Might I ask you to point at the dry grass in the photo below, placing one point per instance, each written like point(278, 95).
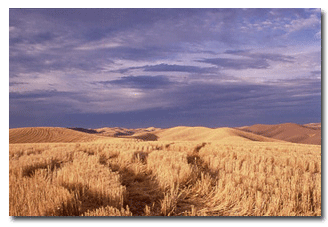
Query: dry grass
point(125, 177)
point(280, 181)
point(170, 168)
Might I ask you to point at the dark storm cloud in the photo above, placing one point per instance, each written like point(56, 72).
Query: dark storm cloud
point(176, 68)
point(36, 104)
point(89, 61)
point(266, 56)
point(116, 18)
point(316, 73)
point(204, 95)
point(38, 94)
point(56, 60)
point(30, 64)
point(101, 44)
point(237, 52)
point(140, 54)
point(170, 68)
point(301, 86)
point(33, 39)
point(203, 101)
point(273, 57)
point(196, 96)
point(141, 82)
point(16, 83)
point(237, 64)
point(43, 37)
point(87, 25)
point(252, 60)
point(45, 103)
point(242, 101)
point(70, 28)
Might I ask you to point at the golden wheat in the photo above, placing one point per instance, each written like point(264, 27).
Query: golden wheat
point(126, 177)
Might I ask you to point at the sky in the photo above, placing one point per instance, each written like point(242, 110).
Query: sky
point(137, 68)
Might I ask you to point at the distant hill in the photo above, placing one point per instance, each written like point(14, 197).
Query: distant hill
point(313, 125)
point(291, 132)
point(65, 135)
point(48, 135)
point(182, 133)
point(124, 132)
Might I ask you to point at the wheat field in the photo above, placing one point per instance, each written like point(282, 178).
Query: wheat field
point(65, 173)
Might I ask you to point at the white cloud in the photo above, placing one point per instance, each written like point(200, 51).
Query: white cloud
point(98, 45)
point(302, 23)
point(318, 35)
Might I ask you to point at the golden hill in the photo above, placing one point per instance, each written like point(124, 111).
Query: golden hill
point(208, 134)
point(48, 135)
point(291, 132)
point(313, 125)
point(123, 132)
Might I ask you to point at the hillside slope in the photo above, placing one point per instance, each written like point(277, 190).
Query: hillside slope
point(290, 132)
point(48, 135)
point(123, 132)
point(208, 134)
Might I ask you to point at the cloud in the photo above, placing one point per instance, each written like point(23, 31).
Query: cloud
point(279, 26)
point(192, 100)
point(176, 68)
point(237, 52)
point(318, 35)
point(110, 61)
point(33, 38)
point(249, 61)
point(316, 73)
point(44, 62)
point(170, 68)
point(140, 82)
point(37, 94)
point(42, 104)
point(16, 83)
point(141, 53)
point(266, 56)
point(237, 64)
point(302, 23)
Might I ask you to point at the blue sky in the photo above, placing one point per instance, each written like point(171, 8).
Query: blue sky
point(164, 67)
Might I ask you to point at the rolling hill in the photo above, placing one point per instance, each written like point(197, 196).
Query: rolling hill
point(118, 131)
point(291, 132)
point(208, 134)
point(49, 135)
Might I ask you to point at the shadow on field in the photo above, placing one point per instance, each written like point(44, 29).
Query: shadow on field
point(88, 200)
point(141, 188)
point(198, 163)
point(29, 171)
point(147, 137)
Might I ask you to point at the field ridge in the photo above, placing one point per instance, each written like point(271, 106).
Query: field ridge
point(49, 135)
